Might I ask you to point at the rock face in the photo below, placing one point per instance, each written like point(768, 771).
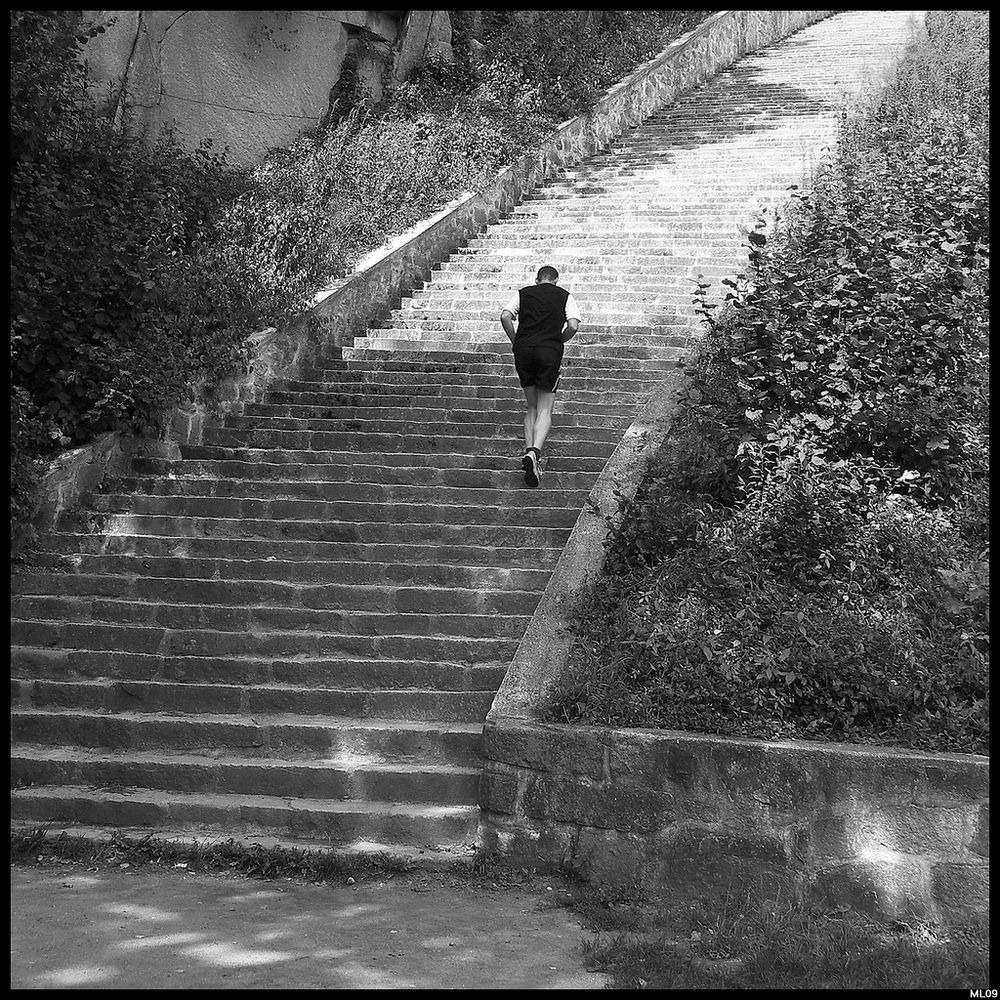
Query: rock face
point(296, 629)
point(252, 79)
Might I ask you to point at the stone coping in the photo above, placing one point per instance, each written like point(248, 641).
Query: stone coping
point(348, 306)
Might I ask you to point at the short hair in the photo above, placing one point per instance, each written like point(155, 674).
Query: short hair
point(547, 274)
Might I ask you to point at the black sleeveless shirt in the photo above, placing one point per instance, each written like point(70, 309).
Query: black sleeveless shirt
point(541, 315)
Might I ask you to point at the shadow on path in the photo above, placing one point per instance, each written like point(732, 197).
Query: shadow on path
point(77, 929)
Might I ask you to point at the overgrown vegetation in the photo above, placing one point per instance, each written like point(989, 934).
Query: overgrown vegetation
point(138, 267)
point(747, 940)
point(123, 291)
point(809, 554)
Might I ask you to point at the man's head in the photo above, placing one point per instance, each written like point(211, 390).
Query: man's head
point(549, 274)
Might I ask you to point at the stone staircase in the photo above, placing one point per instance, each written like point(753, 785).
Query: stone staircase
point(295, 631)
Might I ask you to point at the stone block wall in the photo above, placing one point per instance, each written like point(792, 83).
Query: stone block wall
point(891, 832)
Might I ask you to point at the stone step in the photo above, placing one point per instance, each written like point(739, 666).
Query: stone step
point(301, 550)
point(402, 341)
point(587, 441)
point(308, 737)
point(495, 284)
point(637, 303)
point(423, 858)
point(32, 663)
point(675, 236)
point(664, 257)
point(528, 215)
point(558, 458)
point(246, 815)
point(329, 406)
point(504, 395)
point(564, 458)
point(582, 269)
point(383, 596)
point(501, 477)
point(654, 335)
point(326, 779)
point(266, 618)
point(498, 352)
point(458, 294)
point(616, 331)
point(594, 261)
point(340, 516)
point(113, 696)
point(477, 367)
point(606, 256)
point(349, 491)
point(407, 376)
point(482, 419)
point(613, 329)
point(194, 641)
point(349, 596)
point(662, 193)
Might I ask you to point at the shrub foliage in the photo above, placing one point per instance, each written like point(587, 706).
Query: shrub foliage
point(809, 554)
point(122, 293)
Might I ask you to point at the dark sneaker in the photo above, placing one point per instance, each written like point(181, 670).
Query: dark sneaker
point(530, 465)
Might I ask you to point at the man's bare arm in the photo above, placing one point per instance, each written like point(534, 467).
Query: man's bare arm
point(572, 325)
point(507, 322)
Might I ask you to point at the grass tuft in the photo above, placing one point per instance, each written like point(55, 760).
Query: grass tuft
point(745, 942)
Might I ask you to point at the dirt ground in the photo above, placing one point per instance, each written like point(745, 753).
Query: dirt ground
point(79, 927)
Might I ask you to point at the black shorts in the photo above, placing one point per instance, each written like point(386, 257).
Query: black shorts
point(538, 365)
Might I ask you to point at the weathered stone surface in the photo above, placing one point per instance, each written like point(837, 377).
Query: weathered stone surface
point(498, 792)
point(891, 887)
point(423, 33)
point(545, 748)
point(961, 889)
point(612, 860)
point(612, 807)
point(980, 843)
point(247, 79)
point(707, 862)
point(953, 782)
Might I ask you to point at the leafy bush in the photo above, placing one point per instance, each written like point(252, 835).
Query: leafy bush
point(809, 554)
point(558, 62)
point(122, 292)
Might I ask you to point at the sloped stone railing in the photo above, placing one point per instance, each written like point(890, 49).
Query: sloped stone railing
point(349, 306)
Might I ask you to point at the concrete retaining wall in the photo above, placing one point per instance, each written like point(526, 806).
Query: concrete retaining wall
point(349, 306)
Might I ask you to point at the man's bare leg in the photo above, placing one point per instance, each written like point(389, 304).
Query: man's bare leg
point(531, 402)
point(544, 401)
